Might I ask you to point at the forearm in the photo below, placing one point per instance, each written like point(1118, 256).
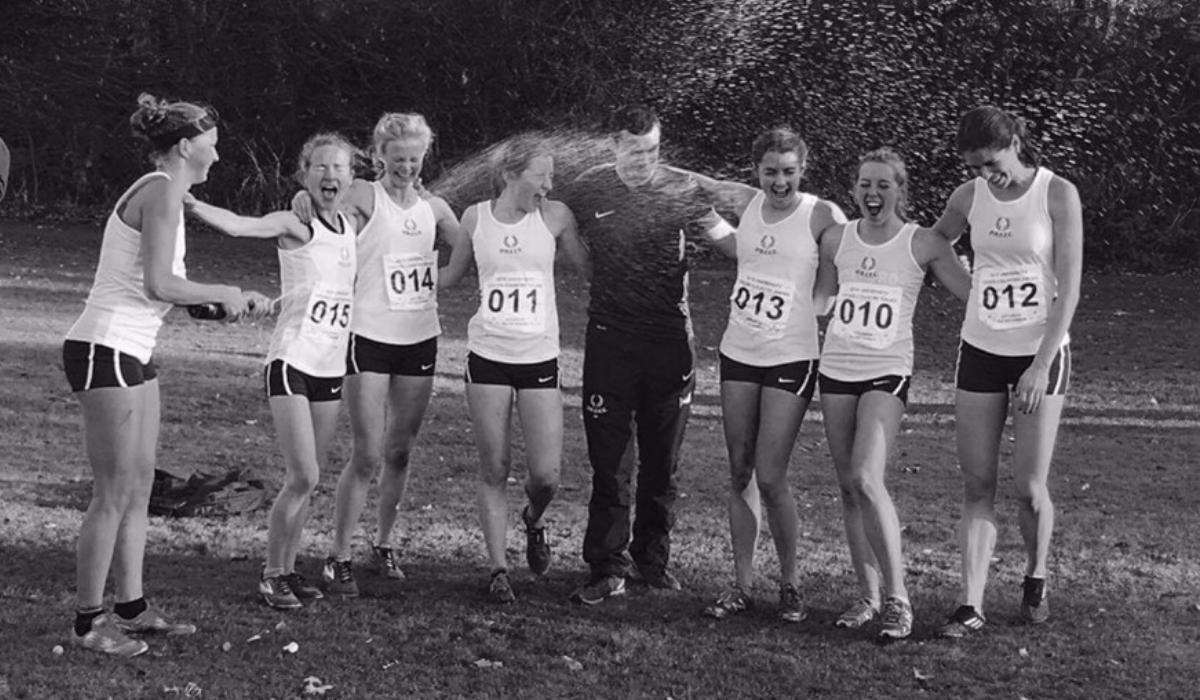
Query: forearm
point(225, 220)
point(180, 291)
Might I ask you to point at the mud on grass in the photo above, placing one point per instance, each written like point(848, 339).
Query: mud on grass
point(1123, 576)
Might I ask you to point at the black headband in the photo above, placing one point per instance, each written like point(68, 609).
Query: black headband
point(167, 139)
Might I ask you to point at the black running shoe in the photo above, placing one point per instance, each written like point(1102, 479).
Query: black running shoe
point(1034, 608)
point(537, 549)
point(962, 622)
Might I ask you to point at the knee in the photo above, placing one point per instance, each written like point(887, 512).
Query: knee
point(740, 478)
point(494, 472)
point(979, 488)
point(775, 491)
point(302, 482)
point(1034, 496)
point(541, 486)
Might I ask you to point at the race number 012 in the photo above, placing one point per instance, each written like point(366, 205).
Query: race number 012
point(992, 295)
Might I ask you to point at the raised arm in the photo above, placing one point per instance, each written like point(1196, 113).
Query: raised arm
point(274, 225)
point(933, 252)
point(953, 221)
point(464, 252)
point(1066, 216)
point(725, 194)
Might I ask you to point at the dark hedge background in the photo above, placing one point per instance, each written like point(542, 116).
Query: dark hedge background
point(1109, 88)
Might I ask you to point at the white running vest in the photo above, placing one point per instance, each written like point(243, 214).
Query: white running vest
point(870, 331)
point(317, 285)
point(1013, 281)
point(118, 313)
point(517, 321)
point(395, 297)
point(771, 316)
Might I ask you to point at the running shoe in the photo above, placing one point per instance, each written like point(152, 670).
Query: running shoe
point(1034, 608)
point(152, 621)
point(301, 587)
point(599, 589)
point(962, 622)
point(499, 589)
point(897, 619)
point(387, 563)
point(106, 638)
point(656, 577)
point(791, 609)
point(537, 549)
point(731, 602)
point(276, 592)
point(858, 614)
point(339, 578)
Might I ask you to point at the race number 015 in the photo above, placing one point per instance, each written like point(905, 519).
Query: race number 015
point(338, 314)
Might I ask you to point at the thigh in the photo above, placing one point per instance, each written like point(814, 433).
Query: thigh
point(490, 406)
point(114, 421)
point(541, 412)
point(878, 422)
point(295, 433)
point(408, 399)
point(780, 416)
point(979, 423)
point(739, 416)
point(366, 396)
point(1034, 436)
point(840, 414)
point(324, 416)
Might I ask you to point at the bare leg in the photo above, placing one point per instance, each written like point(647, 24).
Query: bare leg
point(491, 419)
point(1035, 436)
point(366, 397)
point(779, 423)
point(541, 414)
point(979, 422)
point(841, 429)
point(408, 400)
point(740, 415)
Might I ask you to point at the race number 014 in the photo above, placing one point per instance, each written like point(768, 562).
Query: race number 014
point(399, 280)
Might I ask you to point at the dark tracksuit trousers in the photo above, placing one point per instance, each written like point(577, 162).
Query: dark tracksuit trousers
point(629, 381)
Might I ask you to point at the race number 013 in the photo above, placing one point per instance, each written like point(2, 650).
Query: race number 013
point(742, 298)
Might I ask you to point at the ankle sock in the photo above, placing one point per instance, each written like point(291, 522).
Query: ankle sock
point(84, 618)
point(131, 609)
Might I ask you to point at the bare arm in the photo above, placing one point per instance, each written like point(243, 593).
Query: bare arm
point(448, 227)
point(933, 252)
point(825, 288)
point(953, 221)
point(274, 225)
point(1066, 216)
point(726, 194)
point(160, 214)
point(463, 254)
point(562, 223)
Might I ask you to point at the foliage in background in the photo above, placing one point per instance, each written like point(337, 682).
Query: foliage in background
point(1109, 88)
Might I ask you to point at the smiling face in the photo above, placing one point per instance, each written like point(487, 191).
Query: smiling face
point(530, 186)
point(999, 167)
point(402, 160)
point(877, 192)
point(328, 176)
point(779, 177)
point(637, 156)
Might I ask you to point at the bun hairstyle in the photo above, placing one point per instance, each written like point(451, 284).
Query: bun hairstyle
point(637, 119)
point(781, 139)
point(887, 156)
point(328, 138)
point(395, 126)
point(162, 123)
point(992, 128)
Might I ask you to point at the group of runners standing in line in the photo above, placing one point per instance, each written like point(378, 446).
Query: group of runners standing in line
point(358, 311)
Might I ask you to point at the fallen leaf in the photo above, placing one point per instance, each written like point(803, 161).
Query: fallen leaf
point(314, 686)
point(921, 676)
point(1023, 652)
point(572, 663)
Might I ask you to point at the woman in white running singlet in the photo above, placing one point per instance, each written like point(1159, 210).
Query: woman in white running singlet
point(866, 368)
point(769, 358)
point(513, 346)
point(107, 356)
point(306, 361)
point(1026, 227)
point(394, 338)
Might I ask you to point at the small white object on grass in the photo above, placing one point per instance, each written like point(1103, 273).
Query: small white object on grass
point(572, 663)
point(291, 647)
point(314, 686)
point(226, 646)
point(919, 675)
point(58, 650)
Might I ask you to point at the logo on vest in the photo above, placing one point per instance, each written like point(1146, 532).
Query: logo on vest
point(1003, 228)
point(867, 267)
point(411, 228)
point(511, 245)
point(344, 256)
point(596, 405)
point(766, 246)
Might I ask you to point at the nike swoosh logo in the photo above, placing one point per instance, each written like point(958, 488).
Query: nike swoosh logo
point(602, 214)
point(426, 368)
point(879, 382)
point(336, 390)
point(543, 380)
point(787, 380)
point(688, 375)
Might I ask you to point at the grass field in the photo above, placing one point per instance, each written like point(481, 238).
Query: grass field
point(1125, 568)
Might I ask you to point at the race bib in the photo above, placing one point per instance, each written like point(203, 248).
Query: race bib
point(411, 281)
point(1012, 297)
point(762, 303)
point(867, 314)
point(327, 315)
point(515, 302)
